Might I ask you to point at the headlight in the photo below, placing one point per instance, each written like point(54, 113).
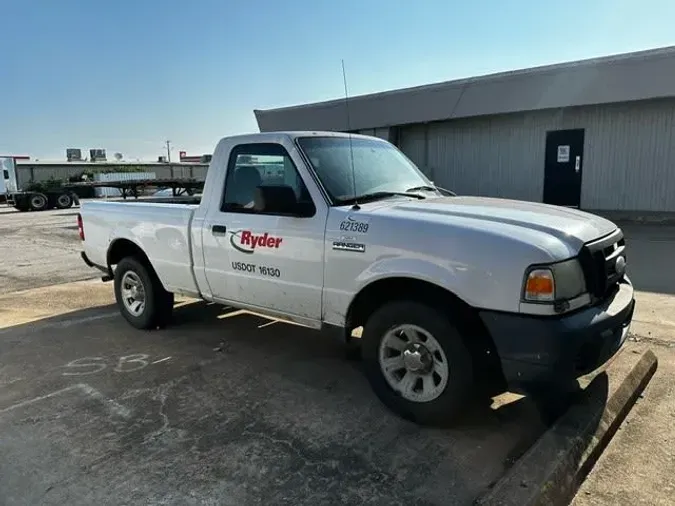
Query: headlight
point(555, 282)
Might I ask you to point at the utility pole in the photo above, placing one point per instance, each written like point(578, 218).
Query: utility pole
point(168, 151)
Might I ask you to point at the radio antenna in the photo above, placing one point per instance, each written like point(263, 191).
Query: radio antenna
point(349, 133)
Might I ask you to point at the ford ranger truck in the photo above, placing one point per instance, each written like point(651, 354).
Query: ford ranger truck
point(456, 296)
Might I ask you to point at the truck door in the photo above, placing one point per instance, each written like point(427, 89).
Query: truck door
point(259, 253)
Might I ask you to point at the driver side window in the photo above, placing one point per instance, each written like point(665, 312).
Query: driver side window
point(259, 178)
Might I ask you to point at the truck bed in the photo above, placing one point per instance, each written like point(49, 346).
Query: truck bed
point(161, 229)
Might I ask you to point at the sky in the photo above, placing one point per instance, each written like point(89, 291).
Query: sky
point(127, 75)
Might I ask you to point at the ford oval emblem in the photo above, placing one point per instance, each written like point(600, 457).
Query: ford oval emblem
point(620, 266)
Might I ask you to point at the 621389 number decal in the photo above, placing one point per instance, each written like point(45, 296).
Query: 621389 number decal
point(351, 225)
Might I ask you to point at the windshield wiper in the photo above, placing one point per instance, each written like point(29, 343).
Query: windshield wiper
point(431, 188)
point(369, 197)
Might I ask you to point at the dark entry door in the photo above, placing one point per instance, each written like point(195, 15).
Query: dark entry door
point(563, 167)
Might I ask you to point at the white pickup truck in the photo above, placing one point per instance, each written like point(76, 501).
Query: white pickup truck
point(456, 295)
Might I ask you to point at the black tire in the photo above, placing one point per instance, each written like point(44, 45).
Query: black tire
point(38, 202)
point(64, 201)
point(158, 302)
point(455, 397)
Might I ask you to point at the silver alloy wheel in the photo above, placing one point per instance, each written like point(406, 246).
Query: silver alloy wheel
point(63, 200)
point(413, 363)
point(133, 293)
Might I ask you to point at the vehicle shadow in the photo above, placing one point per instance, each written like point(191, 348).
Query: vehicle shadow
point(556, 464)
point(276, 336)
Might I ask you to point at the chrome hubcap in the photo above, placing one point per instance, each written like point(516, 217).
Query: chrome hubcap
point(414, 363)
point(133, 293)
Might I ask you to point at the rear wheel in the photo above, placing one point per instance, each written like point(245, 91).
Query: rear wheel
point(140, 296)
point(38, 202)
point(64, 201)
point(417, 363)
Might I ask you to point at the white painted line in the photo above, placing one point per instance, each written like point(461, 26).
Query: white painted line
point(6, 383)
point(61, 324)
point(113, 406)
point(268, 324)
point(161, 360)
point(37, 399)
point(77, 321)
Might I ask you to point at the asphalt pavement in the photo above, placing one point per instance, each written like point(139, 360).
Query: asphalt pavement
point(219, 408)
point(39, 249)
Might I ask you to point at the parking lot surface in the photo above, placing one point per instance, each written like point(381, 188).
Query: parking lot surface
point(221, 410)
point(39, 249)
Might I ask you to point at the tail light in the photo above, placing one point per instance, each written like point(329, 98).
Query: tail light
point(80, 226)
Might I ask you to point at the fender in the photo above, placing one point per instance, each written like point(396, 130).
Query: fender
point(454, 277)
point(115, 239)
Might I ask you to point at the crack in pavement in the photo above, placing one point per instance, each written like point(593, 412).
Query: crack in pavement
point(652, 340)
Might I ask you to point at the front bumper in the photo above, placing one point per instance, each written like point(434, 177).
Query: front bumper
point(549, 350)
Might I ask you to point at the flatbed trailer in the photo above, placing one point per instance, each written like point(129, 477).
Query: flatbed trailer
point(64, 197)
point(131, 188)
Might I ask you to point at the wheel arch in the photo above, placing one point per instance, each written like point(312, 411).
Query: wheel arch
point(123, 247)
point(466, 318)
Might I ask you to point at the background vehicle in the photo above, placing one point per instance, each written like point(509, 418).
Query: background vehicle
point(60, 198)
point(457, 296)
point(65, 196)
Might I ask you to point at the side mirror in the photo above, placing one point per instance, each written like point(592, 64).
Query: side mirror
point(281, 199)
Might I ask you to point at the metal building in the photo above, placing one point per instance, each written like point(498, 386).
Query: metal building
point(598, 134)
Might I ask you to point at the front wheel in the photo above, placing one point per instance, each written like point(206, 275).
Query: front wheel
point(140, 296)
point(417, 363)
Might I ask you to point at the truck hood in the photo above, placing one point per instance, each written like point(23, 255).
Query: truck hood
point(568, 225)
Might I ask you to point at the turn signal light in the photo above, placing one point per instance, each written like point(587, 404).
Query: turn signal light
point(540, 285)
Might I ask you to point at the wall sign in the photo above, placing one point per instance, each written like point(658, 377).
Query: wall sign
point(563, 154)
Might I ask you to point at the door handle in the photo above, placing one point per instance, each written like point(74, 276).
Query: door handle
point(218, 229)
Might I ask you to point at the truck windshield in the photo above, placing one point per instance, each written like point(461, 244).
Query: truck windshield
point(379, 168)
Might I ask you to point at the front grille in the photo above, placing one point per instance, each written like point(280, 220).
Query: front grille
point(599, 260)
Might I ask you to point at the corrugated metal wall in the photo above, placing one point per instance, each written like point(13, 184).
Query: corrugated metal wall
point(413, 142)
point(382, 133)
point(27, 173)
point(629, 154)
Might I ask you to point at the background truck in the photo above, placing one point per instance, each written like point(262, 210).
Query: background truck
point(457, 296)
point(63, 196)
point(60, 198)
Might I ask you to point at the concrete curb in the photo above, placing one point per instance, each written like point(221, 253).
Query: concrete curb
point(552, 470)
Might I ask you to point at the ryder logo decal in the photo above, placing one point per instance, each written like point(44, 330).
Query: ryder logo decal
point(247, 242)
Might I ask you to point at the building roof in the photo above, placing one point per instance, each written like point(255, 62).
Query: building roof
point(620, 78)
